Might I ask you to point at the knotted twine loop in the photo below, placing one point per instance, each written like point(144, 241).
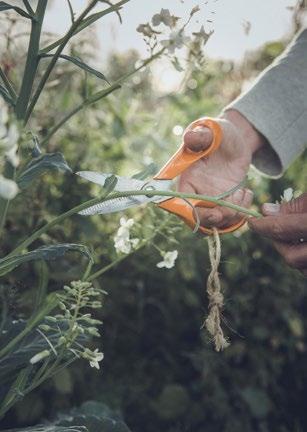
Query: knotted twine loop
point(216, 298)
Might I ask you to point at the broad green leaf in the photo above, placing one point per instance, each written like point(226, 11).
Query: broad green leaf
point(148, 171)
point(40, 165)
point(27, 346)
point(50, 428)
point(6, 6)
point(80, 64)
point(16, 331)
point(96, 416)
point(43, 253)
point(6, 96)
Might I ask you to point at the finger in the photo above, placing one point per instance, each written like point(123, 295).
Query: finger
point(294, 255)
point(185, 186)
point(222, 217)
point(286, 227)
point(197, 139)
point(297, 205)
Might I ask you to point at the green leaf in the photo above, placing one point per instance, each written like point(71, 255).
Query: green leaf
point(36, 151)
point(110, 183)
point(40, 165)
point(6, 6)
point(149, 170)
point(96, 416)
point(80, 64)
point(6, 96)
point(43, 253)
point(50, 428)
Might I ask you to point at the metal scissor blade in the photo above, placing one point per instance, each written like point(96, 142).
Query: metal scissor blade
point(123, 183)
point(112, 206)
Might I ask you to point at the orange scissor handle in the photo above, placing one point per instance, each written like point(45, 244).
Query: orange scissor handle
point(185, 211)
point(178, 163)
point(183, 158)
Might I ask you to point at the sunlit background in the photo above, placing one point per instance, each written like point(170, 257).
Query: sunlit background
point(239, 26)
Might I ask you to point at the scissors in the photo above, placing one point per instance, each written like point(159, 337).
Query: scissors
point(163, 181)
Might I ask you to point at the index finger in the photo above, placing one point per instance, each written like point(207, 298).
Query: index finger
point(287, 227)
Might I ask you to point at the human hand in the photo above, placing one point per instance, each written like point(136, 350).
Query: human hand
point(222, 170)
point(286, 225)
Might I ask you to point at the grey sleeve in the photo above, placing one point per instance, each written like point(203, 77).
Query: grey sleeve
point(276, 106)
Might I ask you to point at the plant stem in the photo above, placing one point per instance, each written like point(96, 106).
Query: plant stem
point(123, 257)
point(8, 85)
point(114, 195)
point(28, 7)
point(31, 62)
point(78, 108)
point(51, 303)
point(85, 23)
point(99, 95)
point(112, 264)
point(54, 59)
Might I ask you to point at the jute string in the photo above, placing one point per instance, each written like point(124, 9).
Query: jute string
point(216, 298)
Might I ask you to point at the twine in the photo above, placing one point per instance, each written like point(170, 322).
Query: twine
point(216, 298)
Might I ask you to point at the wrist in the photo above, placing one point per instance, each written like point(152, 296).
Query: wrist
point(251, 137)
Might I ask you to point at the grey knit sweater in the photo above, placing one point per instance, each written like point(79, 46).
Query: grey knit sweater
point(276, 106)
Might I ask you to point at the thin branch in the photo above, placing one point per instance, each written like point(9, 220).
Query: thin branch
point(31, 62)
point(114, 195)
point(71, 11)
point(99, 95)
point(86, 22)
point(8, 85)
point(28, 7)
point(78, 108)
point(54, 59)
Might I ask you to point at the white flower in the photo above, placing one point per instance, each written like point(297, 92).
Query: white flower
point(287, 195)
point(202, 34)
point(9, 138)
point(96, 358)
point(122, 241)
point(290, 194)
point(122, 245)
point(163, 17)
point(176, 40)
point(4, 117)
point(169, 259)
point(134, 242)
point(12, 156)
point(39, 356)
point(8, 188)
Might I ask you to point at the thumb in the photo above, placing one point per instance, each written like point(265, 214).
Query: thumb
point(297, 205)
point(197, 139)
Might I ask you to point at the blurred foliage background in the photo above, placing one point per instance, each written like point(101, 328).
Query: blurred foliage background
point(160, 370)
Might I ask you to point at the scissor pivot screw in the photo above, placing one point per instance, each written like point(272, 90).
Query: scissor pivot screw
point(148, 188)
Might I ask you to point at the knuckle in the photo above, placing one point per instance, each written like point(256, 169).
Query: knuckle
point(297, 205)
point(277, 230)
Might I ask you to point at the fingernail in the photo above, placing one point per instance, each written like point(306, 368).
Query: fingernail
point(271, 208)
point(238, 195)
point(212, 219)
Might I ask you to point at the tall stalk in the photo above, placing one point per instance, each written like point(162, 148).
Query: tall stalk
point(131, 193)
point(31, 62)
point(54, 59)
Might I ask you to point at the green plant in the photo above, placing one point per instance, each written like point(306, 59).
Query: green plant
point(50, 340)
